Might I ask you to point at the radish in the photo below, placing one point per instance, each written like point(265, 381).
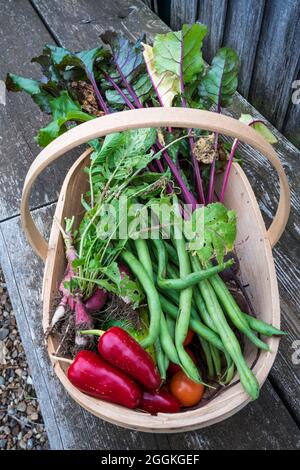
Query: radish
point(97, 300)
point(82, 322)
point(59, 312)
point(82, 318)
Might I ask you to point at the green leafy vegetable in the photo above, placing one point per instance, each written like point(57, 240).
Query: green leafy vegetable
point(64, 110)
point(180, 52)
point(34, 88)
point(165, 84)
point(220, 82)
point(219, 232)
point(259, 127)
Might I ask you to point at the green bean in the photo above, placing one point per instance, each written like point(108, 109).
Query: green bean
point(248, 379)
point(171, 326)
point(172, 271)
point(202, 309)
point(207, 353)
point(185, 305)
point(216, 357)
point(144, 255)
point(160, 359)
point(230, 342)
point(234, 312)
point(152, 296)
point(262, 327)
point(195, 324)
point(229, 374)
point(258, 325)
point(167, 341)
point(189, 279)
point(172, 253)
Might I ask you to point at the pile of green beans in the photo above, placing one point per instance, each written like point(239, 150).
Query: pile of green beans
point(182, 295)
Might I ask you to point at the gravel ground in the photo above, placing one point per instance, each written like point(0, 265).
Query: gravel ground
point(21, 424)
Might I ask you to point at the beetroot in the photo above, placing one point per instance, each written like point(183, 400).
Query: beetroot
point(124, 269)
point(97, 300)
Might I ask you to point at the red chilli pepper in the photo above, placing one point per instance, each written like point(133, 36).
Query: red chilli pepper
point(94, 376)
point(159, 402)
point(124, 352)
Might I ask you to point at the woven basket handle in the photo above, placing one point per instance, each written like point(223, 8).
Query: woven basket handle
point(151, 117)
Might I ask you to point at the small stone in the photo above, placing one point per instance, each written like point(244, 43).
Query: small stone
point(3, 333)
point(22, 444)
point(2, 381)
point(29, 444)
point(16, 430)
point(28, 435)
point(39, 428)
point(30, 410)
point(34, 417)
point(6, 430)
point(18, 372)
point(3, 443)
point(21, 407)
point(29, 380)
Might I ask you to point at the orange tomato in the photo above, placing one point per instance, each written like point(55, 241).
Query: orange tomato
point(188, 338)
point(189, 393)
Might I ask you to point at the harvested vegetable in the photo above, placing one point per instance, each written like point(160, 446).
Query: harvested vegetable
point(94, 376)
point(174, 368)
point(121, 350)
point(188, 338)
point(159, 402)
point(187, 392)
point(149, 286)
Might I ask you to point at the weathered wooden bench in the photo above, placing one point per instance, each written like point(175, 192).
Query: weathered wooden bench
point(272, 422)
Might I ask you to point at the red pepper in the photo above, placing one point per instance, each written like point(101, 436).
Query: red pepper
point(124, 352)
point(94, 376)
point(159, 402)
point(174, 368)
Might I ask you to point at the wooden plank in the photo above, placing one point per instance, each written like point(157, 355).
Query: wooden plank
point(182, 12)
point(65, 420)
point(276, 62)
point(292, 121)
point(213, 14)
point(22, 36)
point(148, 3)
point(242, 30)
point(130, 18)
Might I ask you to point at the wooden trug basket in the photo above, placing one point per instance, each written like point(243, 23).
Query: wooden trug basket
point(253, 246)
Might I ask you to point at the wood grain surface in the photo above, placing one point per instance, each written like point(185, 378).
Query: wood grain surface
point(268, 423)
